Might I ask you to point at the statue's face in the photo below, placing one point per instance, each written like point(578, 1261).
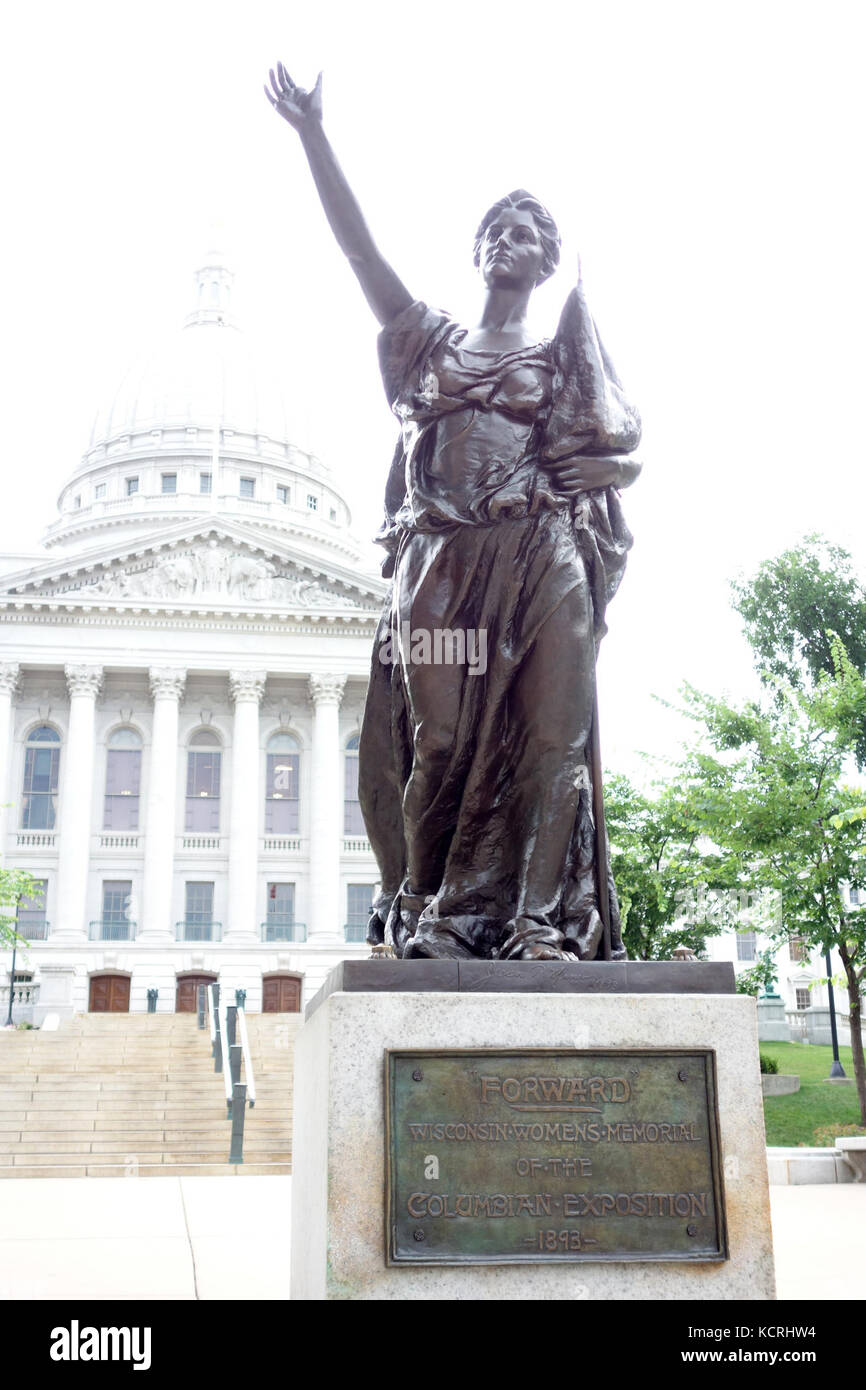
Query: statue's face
point(511, 252)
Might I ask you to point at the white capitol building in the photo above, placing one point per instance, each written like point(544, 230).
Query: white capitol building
point(182, 678)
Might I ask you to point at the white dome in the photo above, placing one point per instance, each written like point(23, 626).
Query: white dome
point(199, 425)
point(207, 373)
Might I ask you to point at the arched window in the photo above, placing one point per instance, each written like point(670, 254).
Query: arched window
point(282, 785)
point(203, 783)
point(122, 780)
point(353, 821)
point(41, 775)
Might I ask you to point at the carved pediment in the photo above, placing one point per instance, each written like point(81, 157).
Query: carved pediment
point(200, 573)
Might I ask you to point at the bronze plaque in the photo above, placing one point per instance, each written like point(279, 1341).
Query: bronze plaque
point(533, 1156)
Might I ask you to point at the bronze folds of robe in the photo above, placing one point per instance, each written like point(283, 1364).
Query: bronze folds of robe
point(474, 781)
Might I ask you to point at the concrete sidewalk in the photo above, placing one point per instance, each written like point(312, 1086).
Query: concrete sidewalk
point(217, 1238)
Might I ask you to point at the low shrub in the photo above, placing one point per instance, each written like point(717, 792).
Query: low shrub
point(825, 1136)
point(769, 1066)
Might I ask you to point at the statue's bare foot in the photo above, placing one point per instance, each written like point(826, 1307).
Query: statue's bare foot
point(535, 951)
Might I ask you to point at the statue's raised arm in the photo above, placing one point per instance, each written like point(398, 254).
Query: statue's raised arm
point(385, 292)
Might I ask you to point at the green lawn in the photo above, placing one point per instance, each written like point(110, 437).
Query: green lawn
point(792, 1120)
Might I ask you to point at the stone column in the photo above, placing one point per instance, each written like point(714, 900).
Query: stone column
point(9, 673)
point(76, 799)
point(247, 688)
point(326, 911)
point(166, 687)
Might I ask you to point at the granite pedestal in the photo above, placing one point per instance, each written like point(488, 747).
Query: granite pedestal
point(772, 1023)
point(339, 1218)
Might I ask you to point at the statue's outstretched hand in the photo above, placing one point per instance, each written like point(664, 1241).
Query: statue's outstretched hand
point(296, 106)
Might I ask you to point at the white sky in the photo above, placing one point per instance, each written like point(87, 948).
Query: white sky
point(702, 157)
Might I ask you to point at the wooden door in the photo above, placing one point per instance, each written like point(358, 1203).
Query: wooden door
point(186, 999)
point(281, 994)
point(109, 994)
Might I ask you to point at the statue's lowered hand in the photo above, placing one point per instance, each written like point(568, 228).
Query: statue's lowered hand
point(582, 474)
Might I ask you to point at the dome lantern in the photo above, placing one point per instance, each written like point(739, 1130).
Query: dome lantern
point(213, 288)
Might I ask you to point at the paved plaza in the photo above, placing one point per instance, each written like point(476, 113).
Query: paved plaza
point(228, 1238)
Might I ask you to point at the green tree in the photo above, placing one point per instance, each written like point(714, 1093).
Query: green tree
point(14, 885)
point(667, 878)
point(793, 604)
point(777, 804)
point(761, 975)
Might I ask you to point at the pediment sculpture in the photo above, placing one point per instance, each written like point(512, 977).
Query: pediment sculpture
point(209, 571)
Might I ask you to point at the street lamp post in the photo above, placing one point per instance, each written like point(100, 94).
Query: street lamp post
point(837, 1069)
point(12, 983)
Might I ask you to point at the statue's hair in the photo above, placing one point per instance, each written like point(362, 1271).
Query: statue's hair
point(547, 228)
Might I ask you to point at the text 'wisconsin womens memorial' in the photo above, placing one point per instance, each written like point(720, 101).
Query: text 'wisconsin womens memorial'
point(499, 1103)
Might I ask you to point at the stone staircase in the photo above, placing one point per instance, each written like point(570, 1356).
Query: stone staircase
point(115, 1095)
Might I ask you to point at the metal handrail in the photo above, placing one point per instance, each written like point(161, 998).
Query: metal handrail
point(104, 929)
point(33, 931)
point(229, 1056)
point(288, 930)
point(227, 1071)
point(214, 930)
point(210, 1014)
point(248, 1061)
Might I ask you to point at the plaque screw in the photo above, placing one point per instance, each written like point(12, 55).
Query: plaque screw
point(683, 1075)
point(690, 1231)
point(418, 1075)
point(419, 1235)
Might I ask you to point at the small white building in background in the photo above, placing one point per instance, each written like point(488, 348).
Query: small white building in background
point(182, 677)
point(800, 976)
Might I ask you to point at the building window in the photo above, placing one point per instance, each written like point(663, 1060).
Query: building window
point(803, 998)
point(41, 775)
point(353, 821)
point(198, 912)
point(312, 502)
point(203, 783)
point(116, 900)
point(358, 907)
point(99, 491)
point(248, 487)
point(854, 897)
point(169, 482)
point(333, 514)
point(282, 785)
point(282, 493)
point(281, 902)
point(122, 780)
point(31, 923)
point(281, 912)
point(131, 487)
point(205, 482)
point(745, 945)
point(76, 502)
point(797, 949)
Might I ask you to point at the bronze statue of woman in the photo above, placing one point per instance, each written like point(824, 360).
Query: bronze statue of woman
point(505, 542)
